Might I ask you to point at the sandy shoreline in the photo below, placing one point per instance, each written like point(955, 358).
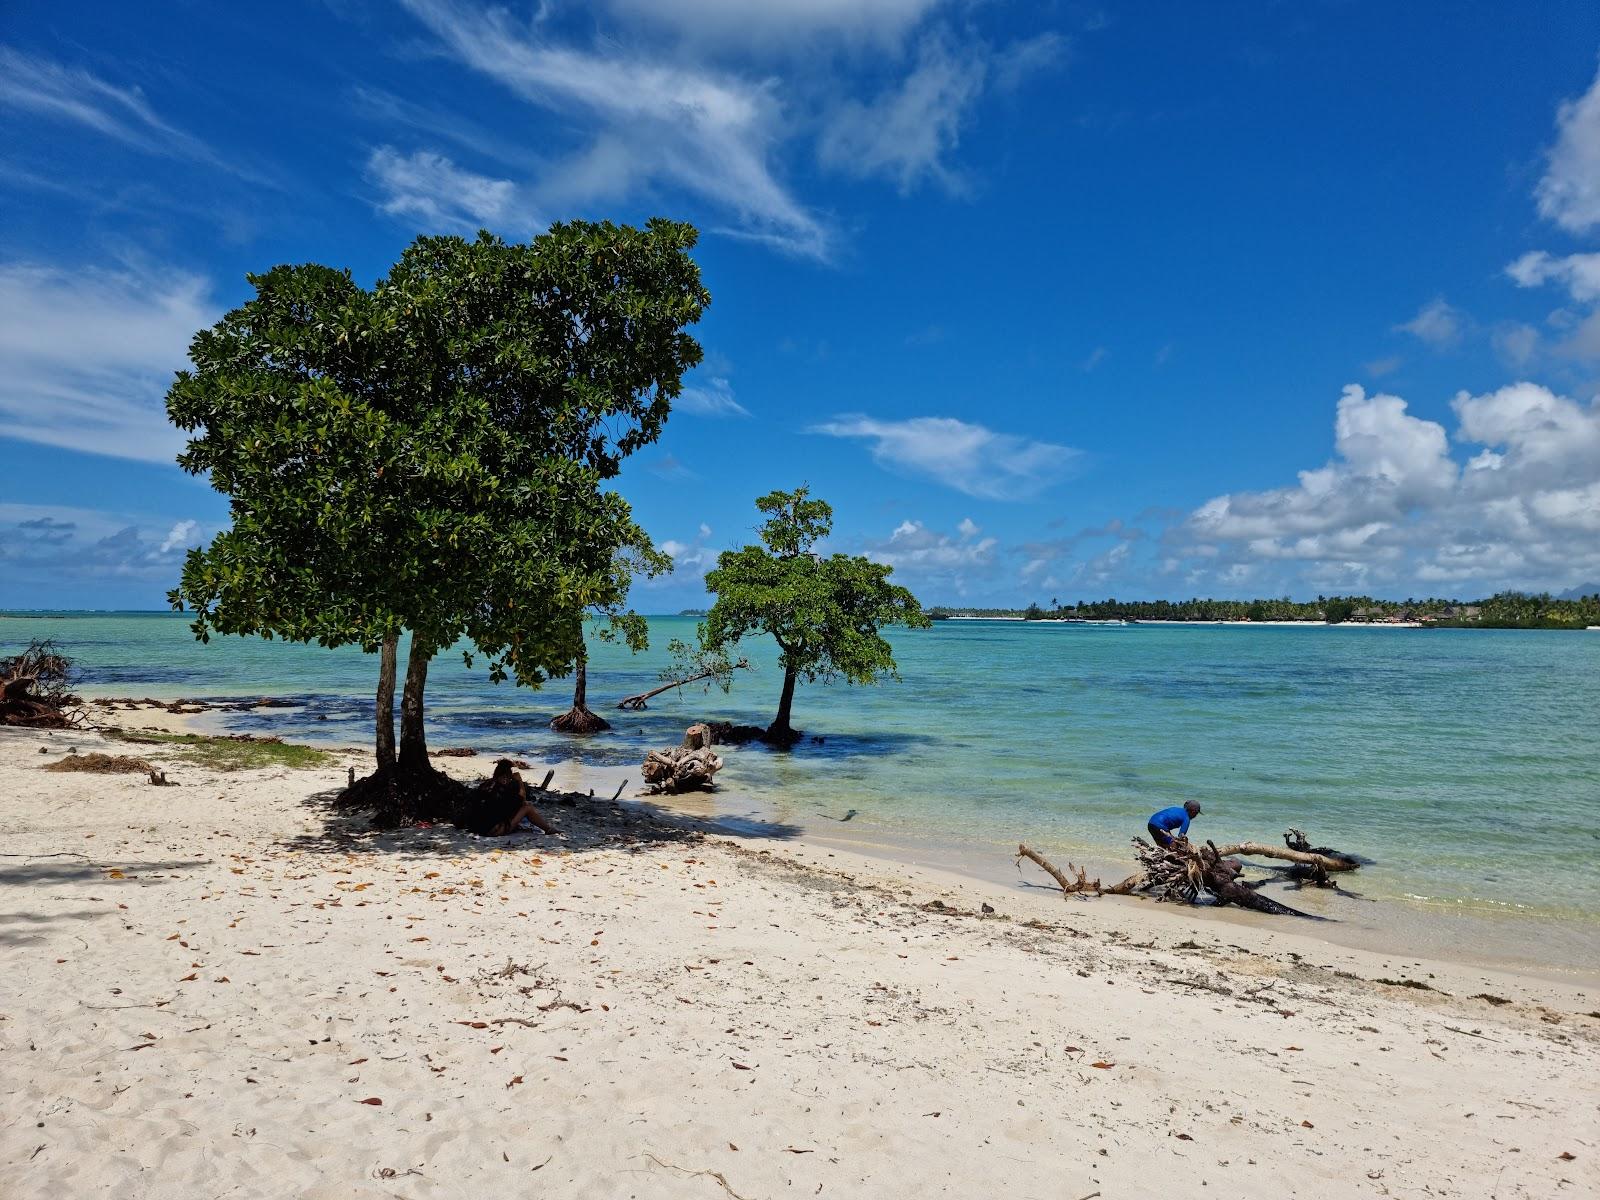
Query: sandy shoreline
point(1506, 941)
point(204, 985)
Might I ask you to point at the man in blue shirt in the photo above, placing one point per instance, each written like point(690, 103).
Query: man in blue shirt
point(1171, 821)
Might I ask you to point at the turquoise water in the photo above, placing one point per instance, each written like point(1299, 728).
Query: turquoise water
point(1463, 762)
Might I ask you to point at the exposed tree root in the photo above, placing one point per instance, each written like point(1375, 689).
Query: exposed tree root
point(406, 794)
point(36, 690)
point(579, 721)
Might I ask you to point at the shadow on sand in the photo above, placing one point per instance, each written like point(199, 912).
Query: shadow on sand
point(587, 823)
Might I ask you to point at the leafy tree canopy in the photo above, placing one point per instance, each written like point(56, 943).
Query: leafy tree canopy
point(430, 455)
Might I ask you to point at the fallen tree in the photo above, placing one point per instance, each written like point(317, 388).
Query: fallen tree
point(36, 689)
point(691, 663)
point(1184, 871)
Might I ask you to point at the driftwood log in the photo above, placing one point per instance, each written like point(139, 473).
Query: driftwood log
point(1185, 870)
point(689, 767)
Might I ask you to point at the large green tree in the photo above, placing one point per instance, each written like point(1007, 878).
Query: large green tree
point(825, 613)
point(430, 456)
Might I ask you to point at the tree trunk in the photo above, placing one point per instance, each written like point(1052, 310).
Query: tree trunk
point(413, 739)
point(578, 718)
point(636, 703)
point(781, 732)
point(386, 672)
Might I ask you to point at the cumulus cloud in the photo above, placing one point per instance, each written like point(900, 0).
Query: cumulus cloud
point(1569, 191)
point(432, 191)
point(43, 547)
point(86, 356)
point(180, 536)
point(951, 562)
point(1394, 507)
point(692, 558)
point(712, 398)
point(1578, 273)
point(1437, 323)
point(971, 458)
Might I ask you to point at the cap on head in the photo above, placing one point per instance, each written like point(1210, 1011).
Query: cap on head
point(1192, 807)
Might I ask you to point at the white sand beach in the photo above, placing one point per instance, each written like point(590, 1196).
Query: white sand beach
point(219, 989)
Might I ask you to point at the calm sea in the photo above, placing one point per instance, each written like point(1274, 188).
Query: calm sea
point(1465, 764)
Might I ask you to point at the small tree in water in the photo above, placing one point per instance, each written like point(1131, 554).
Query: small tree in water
point(824, 613)
point(615, 625)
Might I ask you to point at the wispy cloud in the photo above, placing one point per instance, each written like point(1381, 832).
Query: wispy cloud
point(653, 121)
point(905, 133)
point(779, 25)
point(971, 458)
point(712, 398)
point(431, 190)
point(1437, 323)
point(72, 95)
point(86, 356)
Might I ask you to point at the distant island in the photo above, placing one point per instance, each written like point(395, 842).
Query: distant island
point(1505, 610)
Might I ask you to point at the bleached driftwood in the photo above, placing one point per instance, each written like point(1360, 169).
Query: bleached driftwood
point(689, 767)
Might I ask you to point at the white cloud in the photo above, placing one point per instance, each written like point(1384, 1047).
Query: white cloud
point(968, 528)
point(779, 24)
point(86, 357)
point(180, 536)
point(430, 189)
point(970, 458)
point(1394, 509)
point(1021, 60)
point(692, 558)
point(714, 398)
point(653, 121)
point(1569, 192)
point(1436, 323)
point(905, 133)
point(926, 556)
point(1578, 273)
point(74, 95)
point(1516, 342)
point(43, 546)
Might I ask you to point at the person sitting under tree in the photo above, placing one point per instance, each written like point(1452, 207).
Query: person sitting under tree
point(1172, 821)
point(503, 805)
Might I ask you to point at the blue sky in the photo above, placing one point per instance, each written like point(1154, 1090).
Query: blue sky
point(1049, 300)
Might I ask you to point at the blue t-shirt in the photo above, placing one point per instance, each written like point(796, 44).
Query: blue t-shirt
point(1172, 819)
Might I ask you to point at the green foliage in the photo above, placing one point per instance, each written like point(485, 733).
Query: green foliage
point(1507, 610)
point(229, 753)
point(824, 613)
point(699, 662)
point(429, 455)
